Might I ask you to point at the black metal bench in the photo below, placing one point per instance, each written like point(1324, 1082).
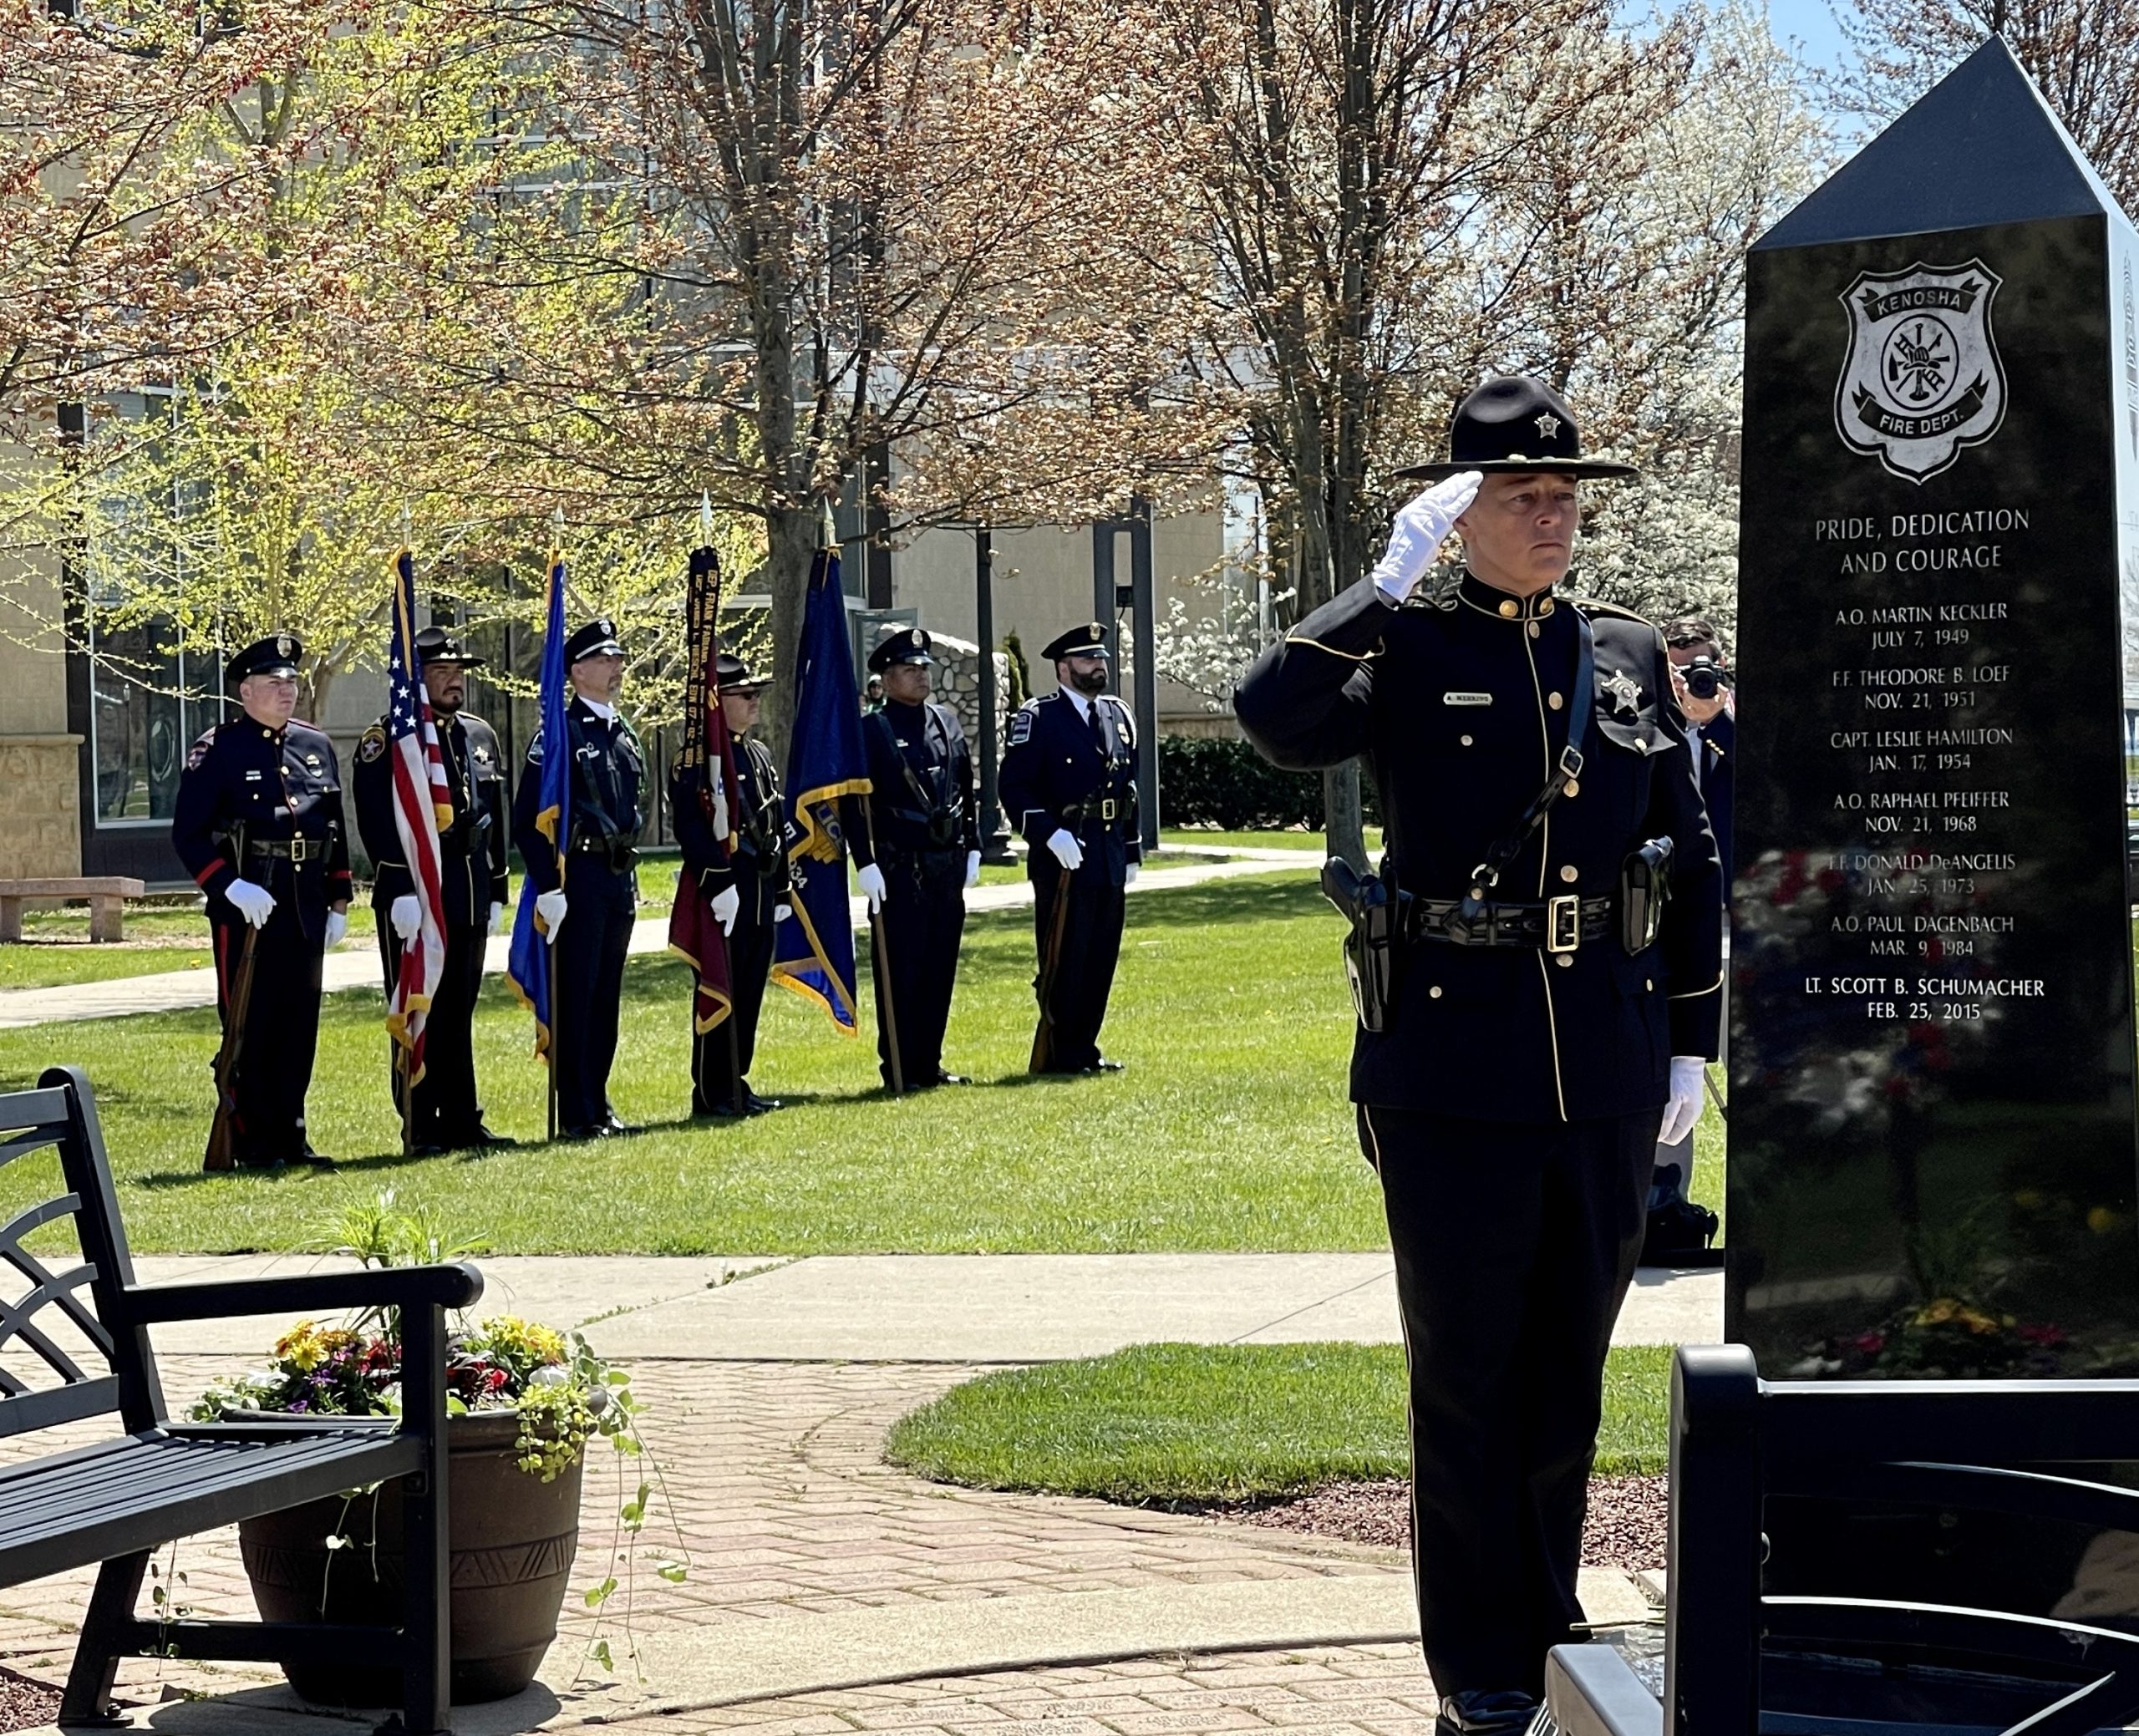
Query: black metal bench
point(1741, 1658)
point(117, 1500)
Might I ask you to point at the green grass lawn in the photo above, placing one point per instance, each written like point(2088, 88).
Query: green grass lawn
point(161, 936)
point(1257, 840)
point(1228, 1131)
point(1190, 1424)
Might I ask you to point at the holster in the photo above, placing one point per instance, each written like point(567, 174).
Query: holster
point(1373, 907)
point(1644, 889)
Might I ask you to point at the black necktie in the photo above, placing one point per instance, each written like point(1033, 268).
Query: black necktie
point(1098, 729)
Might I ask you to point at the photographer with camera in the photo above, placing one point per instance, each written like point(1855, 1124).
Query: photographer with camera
point(1702, 681)
point(472, 877)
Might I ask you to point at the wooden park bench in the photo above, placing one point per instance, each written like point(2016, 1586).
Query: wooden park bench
point(1926, 1457)
point(75, 1348)
point(107, 894)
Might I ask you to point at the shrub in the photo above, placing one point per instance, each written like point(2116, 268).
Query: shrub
point(1207, 781)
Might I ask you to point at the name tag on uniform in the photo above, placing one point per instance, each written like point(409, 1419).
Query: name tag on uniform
point(252, 776)
point(1466, 699)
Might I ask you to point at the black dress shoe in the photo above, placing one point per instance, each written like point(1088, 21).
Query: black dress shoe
point(1477, 1712)
point(428, 1148)
point(310, 1160)
point(761, 1105)
point(943, 1078)
point(721, 1112)
point(1102, 1065)
point(613, 1126)
point(586, 1130)
point(474, 1138)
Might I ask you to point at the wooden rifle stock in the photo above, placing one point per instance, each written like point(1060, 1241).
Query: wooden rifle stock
point(1050, 970)
point(221, 1154)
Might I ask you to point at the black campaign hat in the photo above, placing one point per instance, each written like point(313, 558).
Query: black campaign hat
point(277, 654)
point(1516, 424)
point(1088, 638)
point(597, 638)
point(734, 675)
point(435, 645)
point(910, 646)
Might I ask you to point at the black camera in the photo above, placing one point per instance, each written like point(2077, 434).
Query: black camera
point(1703, 677)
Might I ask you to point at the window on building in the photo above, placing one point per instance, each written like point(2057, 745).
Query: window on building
point(142, 720)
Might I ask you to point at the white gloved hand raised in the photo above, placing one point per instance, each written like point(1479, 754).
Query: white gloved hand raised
point(497, 919)
point(1422, 525)
point(407, 916)
point(338, 926)
point(1067, 849)
point(725, 906)
point(1685, 1108)
point(973, 869)
point(870, 880)
point(550, 906)
point(1129, 873)
point(251, 902)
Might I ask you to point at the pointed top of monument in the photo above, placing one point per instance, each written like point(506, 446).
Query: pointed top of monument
point(1979, 147)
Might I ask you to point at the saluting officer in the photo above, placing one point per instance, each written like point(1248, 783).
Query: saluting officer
point(259, 825)
point(919, 827)
point(600, 887)
point(749, 886)
point(1069, 783)
point(472, 872)
point(1533, 773)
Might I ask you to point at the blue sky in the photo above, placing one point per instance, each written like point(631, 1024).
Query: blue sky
point(1813, 23)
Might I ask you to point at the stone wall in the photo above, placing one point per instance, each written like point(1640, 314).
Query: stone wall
point(955, 681)
point(40, 806)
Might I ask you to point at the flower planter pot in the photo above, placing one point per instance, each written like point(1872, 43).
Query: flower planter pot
point(513, 1540)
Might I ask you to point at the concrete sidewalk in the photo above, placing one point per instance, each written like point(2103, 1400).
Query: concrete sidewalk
point(355, 966)
point(937, 1308)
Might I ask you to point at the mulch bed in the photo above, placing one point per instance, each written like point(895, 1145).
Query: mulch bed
point(1626, 1528)
point(25, 1703)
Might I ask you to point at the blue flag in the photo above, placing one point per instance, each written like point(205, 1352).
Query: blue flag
point(528, 966)
point(813, 954)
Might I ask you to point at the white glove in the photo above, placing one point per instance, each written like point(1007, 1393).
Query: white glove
point(407, 916)
point(725, 906)
point(1067, 849)
point(497, 919)
point(870, 880)
point(253, 903)
point(550, 906)
point(1685, 1108)
point(337, 925)
point(973, 869)
point(1129, 873)
point(1421, 527)
point(781, 912)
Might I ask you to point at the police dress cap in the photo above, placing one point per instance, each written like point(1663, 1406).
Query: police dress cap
point(734, 675)
point(1088, 638)
point(277, 654)
point(435, 645)
point(1516, 424)
point(909, 646)
point(597, 638)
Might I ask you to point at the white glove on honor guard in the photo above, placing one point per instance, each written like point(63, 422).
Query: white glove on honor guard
point(497, 919)
point(550, 906)
point(870, 880)
point(251, 902)
point(1421, 527)
point(407, 916)
point(1685, 1108)
point(781, 912)
point(337, 925)
point(973, 869)
point(725, 905)
point(1129, 873)
point(1067, 849)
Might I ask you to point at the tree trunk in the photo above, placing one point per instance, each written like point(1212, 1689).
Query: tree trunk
point(791, 550)
point(1344, 825)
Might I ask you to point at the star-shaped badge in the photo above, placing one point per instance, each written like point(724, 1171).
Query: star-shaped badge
point(1625, 692)
point(1549, 424)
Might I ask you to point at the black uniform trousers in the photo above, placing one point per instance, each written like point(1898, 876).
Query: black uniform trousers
point(1091, 942)
point(588, 964)
point(282, 1022)
point(1515, 1243)
point(446, 1112)
point(923, 922)
point(715, 1065)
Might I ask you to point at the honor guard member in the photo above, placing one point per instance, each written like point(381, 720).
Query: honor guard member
point(1069, 783)
point(919, 830)
point(749, 886)
point(472, 872)
point(599, 886)
point(259, 825)
point(1532, 1004)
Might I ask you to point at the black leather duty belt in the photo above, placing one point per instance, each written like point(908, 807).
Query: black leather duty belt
point(295, 850)
point(1558, 925)
point(1107, 810)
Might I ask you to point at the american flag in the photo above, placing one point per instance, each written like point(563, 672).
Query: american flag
point(423, 802)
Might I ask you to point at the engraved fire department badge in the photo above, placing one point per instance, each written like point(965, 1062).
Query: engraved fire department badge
point(1921, 379)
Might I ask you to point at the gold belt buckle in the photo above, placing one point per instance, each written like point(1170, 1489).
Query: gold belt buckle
point(1107, 808)
point(300, 848)
point(1563, 923)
